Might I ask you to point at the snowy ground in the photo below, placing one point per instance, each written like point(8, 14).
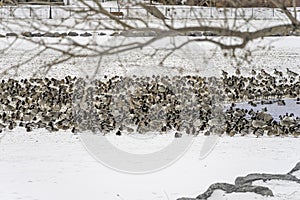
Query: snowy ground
point(41, 165)
point(195, 58)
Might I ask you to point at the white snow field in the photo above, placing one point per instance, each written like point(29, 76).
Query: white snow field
point(43, 165)
point(40, 165)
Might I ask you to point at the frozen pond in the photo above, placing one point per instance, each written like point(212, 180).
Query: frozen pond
point(291, 106)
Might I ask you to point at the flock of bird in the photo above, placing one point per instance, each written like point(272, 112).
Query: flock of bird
point(261, 88)
point(184, 104)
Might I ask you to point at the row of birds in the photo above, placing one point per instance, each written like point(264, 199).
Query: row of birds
point(186, 104)
point(261, 85)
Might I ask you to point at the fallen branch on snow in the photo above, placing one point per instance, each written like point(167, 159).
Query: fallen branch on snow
point(244, 184)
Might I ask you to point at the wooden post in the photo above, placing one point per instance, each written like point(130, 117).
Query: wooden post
point(50, 12)
point(295, 9)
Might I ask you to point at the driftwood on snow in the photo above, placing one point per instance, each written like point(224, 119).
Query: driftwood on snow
point(244, 184)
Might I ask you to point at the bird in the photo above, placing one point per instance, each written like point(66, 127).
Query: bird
point(281, 102)
point(178, 135)
point(118, 133)
point(2, 126)
point(278, 73)
point(258, 123)
point(286, 120)
point(258, 132)
point(224, 73)
point(291, 73)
